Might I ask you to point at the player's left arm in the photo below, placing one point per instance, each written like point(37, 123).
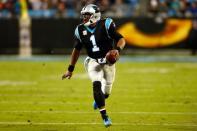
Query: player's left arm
point(120, 44)
point(120, 41)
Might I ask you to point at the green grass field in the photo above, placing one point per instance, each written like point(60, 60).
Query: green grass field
point(153, 96)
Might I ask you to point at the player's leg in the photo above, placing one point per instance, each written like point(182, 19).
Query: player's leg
point(103, 87)
point(101, 103)
point(108, 79)
point(107, 82)
point(95, 73)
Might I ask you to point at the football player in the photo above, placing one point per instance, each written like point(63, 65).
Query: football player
point(99, 37)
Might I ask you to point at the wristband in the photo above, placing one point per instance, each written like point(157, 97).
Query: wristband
point(118, 48)
point(71, 68)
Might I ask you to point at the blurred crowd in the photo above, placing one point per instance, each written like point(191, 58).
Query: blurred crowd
point(112, 8)
point(67, 8)
point(173, 8)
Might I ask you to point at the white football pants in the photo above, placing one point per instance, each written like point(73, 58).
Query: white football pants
point(104, 73)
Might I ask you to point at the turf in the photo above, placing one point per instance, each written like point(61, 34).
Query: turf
point(153, 96)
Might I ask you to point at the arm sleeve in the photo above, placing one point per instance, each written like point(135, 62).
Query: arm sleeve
point(113, 33)
point(78, 43)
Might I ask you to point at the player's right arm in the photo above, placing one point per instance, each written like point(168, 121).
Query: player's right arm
point(74, 56)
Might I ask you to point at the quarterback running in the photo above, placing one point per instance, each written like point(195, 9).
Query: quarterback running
point(103, 45)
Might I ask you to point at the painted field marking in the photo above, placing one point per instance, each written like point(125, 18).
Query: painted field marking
point(89, 96)
point(87, 103)
point(116, 124)
point(16, 83)
point(83, 112)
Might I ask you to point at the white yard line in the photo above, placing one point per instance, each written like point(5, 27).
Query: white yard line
point(16, 83)
point(64, 95)
point(83, 112)
point(87, 103)
point(44, 103)
point(84, 123)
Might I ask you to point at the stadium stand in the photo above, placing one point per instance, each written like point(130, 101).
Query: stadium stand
point(126, 8)
point(67, 8)
point(173, 8)
point(56, 17)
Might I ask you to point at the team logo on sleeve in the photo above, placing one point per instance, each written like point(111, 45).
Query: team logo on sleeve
point(84, 32)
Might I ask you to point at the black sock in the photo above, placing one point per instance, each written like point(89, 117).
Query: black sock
point(98, 94)
point(103, 114)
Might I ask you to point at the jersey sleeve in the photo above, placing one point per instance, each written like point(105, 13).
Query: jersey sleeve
point(78, 43)
point(111, 29)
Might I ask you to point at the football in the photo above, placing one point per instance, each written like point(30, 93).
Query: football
point(112, 56)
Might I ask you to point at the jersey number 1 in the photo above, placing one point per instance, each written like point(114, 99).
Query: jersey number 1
point(95, 47)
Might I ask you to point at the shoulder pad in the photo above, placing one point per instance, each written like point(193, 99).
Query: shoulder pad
point(77, 33)
point(108, 22)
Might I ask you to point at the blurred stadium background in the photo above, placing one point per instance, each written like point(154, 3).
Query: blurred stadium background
point(155, 87)
point(46, 26)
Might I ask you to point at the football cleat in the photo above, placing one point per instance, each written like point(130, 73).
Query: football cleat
point(107, 122)
point(95, 106)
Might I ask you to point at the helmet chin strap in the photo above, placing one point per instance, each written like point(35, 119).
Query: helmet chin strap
point(87, 23)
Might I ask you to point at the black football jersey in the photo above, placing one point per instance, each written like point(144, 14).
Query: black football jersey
point(98, 40)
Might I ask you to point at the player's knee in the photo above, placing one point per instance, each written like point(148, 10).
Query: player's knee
point(109, 84)
point(108, 88)
point(96, 86)
point(106, 96)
